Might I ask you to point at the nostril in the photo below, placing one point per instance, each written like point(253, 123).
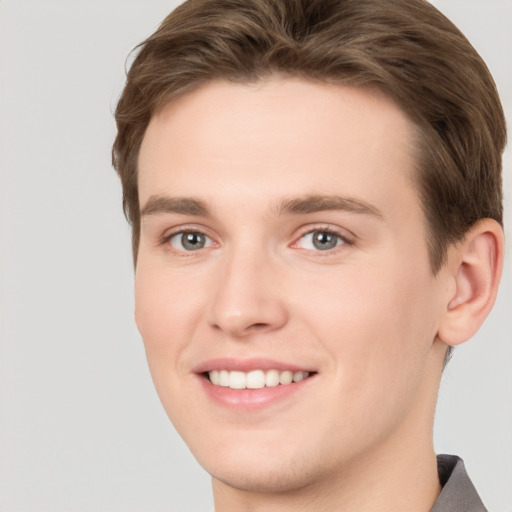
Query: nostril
point(258, 326)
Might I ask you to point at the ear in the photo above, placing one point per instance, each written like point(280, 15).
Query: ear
point(474, 266)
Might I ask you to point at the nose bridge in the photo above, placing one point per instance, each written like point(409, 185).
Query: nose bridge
point(247, 296)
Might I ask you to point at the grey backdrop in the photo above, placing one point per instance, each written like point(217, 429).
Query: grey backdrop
point(81, 428)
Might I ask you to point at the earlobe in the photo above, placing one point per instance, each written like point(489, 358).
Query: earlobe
point(475, 266)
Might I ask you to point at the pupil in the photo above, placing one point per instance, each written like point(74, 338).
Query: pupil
point(193, 241)
point(323, 240)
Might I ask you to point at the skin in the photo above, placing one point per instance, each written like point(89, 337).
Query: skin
point(366, 316)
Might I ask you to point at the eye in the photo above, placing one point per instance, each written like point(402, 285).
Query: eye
point(189, 241)
point(321, 240)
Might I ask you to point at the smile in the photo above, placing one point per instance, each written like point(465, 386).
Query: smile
point(255, 379)
point(252, 385)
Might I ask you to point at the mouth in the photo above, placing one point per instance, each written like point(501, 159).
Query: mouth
point(252, 384)
point(255, 379)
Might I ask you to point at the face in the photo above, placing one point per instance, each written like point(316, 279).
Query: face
point(283, 287)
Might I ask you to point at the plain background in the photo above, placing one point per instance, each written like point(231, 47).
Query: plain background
point(81, 427)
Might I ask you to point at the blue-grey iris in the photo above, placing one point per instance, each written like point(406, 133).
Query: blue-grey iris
point(193, 241)
point(323, 240)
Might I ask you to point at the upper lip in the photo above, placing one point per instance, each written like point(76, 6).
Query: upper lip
point(247, 365)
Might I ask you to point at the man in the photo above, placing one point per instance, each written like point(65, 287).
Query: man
point(314, 189)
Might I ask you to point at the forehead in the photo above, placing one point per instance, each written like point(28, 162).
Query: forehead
point(279, 136)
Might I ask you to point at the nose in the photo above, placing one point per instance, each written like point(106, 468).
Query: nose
point(247, 298)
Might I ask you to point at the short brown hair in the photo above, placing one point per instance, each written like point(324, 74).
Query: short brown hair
point(405, 48)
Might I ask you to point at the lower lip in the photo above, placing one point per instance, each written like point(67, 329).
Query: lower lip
point(252, 399)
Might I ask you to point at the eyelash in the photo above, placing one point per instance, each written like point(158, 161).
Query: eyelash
point(345, 241)
point(166, 240)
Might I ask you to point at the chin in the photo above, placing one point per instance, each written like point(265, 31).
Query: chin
point(263, 480)
point(260, 472)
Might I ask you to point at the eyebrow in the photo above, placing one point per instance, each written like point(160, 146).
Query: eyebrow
point(180, 205)
point(318, 203)
point(300, 206)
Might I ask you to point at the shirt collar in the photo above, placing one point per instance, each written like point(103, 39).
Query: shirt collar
point(458, 493)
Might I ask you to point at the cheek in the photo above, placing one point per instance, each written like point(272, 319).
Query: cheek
point(377, 325)
point(378, 338)
point(163, 313)
point(166, 318)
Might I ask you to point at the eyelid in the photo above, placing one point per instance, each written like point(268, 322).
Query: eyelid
point(208, 242)
point(165, 238)
point(346, 237)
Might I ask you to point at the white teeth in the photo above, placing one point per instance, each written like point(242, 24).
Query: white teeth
point(237, 380)
point(286, 378)
point(272, 378)
point(298, 376)
point(255, 379)
point(214, 377)
point(224, 378)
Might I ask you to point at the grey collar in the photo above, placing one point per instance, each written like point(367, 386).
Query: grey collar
point(458, 493)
